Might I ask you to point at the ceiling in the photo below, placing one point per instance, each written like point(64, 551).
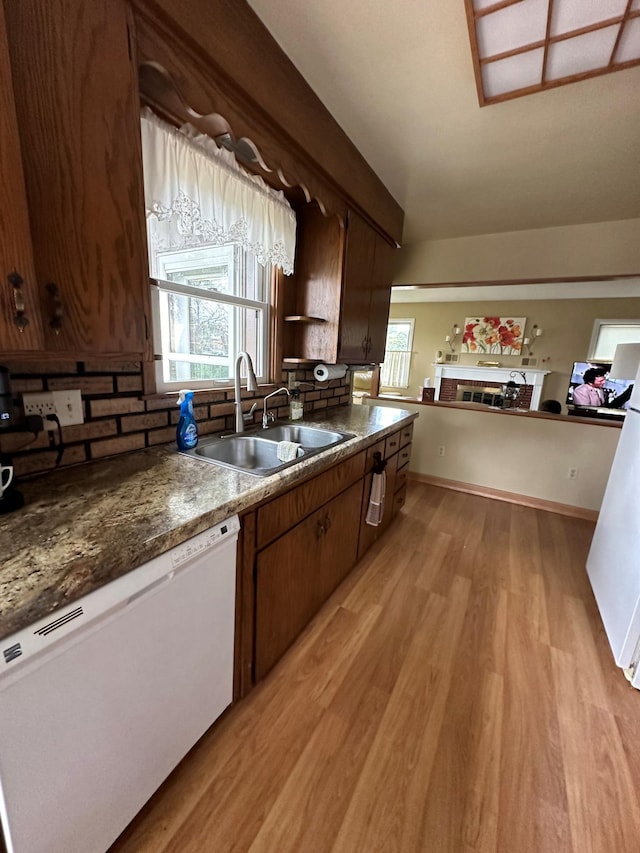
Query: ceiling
point(399, 78)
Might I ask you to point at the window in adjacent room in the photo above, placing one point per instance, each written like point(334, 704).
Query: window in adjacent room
point(216, 237)
point(394, 371)
point(607, 334)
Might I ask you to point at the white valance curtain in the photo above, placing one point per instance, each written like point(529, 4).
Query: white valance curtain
point(197, 194)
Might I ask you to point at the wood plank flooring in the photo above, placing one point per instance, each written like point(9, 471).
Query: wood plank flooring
point(456, 694)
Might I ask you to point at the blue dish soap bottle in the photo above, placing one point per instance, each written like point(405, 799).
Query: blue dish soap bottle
point(187, 430)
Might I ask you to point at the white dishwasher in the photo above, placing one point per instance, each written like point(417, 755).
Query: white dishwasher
point(100, 701)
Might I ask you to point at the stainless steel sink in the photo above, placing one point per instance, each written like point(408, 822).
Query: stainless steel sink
point(244, 452)
point(307, 436)
point(257, 453)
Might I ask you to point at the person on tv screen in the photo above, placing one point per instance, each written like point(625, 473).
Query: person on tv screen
point(592, 391)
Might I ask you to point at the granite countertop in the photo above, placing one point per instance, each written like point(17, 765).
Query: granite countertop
point(84, 526)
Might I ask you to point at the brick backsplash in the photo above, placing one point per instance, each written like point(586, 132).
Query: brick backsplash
point(118, 419)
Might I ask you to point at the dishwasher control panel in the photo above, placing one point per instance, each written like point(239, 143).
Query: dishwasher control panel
point(203, 541)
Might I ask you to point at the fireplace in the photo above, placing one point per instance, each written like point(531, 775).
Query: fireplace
point(488, 395)
point(483, 384)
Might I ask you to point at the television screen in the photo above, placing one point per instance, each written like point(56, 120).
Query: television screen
point(613, 389)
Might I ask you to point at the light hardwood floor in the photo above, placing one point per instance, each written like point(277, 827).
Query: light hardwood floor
point(456, 693)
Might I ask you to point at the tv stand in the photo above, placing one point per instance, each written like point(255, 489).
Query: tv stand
point(600, 413)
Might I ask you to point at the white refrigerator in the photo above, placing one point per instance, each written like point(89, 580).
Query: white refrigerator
point(613, 564)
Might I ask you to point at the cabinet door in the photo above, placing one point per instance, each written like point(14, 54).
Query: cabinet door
point(356, 290)
point(78, 115)
point(380, 298)
point(19, 318)
point(368, 533)
point(314, 290)
point(297, 573)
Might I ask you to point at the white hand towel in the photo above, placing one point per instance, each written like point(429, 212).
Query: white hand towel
point(288, 450)
point(375, 510)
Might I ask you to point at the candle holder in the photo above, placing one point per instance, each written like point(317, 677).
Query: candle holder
point(528, 342)
point(453, 336)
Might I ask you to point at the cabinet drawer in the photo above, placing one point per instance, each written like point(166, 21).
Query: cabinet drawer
point(399, 499)
point(282, 513)
point(406, 435)
point(392, 444)
point(392, 467)
point(401, 478)
point(404, 456)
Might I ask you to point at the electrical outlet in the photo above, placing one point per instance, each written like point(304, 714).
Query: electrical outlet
point(40, 404)
point(441, 450)
point(292, 380)
point(572, 473)
point(66, 405)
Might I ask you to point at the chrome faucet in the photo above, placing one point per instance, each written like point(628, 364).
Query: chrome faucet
point(252, 385)
point(265, 414)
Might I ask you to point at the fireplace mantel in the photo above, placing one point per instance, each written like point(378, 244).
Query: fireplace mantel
point(473, 372)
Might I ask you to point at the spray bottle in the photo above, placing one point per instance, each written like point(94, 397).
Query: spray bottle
point(187, 430)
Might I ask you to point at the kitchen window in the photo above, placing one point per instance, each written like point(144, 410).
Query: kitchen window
point(394, 371)
point(217, 235)
point(209, 304)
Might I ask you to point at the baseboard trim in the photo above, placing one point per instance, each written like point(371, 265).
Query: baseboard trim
point(509, 497)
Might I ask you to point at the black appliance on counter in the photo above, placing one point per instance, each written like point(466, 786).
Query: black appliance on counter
point(7, 416)
point(10, 497)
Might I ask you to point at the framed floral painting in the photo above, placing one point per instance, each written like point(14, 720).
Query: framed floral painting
point(494, 335)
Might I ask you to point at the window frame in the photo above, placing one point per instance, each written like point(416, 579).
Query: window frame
point(160, 285)
point(598, 324)
point(410, 321)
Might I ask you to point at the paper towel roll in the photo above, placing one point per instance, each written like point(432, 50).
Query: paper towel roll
point(324, 372)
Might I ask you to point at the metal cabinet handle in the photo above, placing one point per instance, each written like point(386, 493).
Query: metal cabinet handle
point(327, 522)
point(16, 281)
point(55, 322)
point(363, 344)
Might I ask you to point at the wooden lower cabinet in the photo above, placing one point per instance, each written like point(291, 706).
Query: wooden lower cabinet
point(368, 533)
point(396, 452)
point(297, 573)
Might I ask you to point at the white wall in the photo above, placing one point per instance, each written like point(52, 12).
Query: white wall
point(596, 249)
point(526, 455)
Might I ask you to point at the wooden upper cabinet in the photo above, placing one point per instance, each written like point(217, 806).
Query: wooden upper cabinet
point(19, 317)
point(356, 289)
point(312, 294)
point(337, 303)
point(380, 299)
point(77, 107)
point(366, 292)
